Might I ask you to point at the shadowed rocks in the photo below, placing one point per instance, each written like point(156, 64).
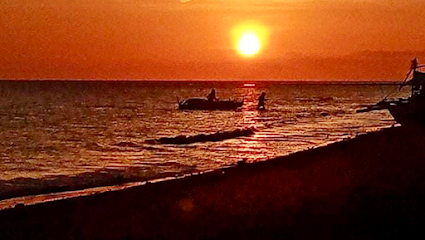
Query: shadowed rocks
point(214, 137)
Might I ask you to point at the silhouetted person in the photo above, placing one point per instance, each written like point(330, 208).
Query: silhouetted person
point(211, 96)
point(414, 64)
point(261, 101)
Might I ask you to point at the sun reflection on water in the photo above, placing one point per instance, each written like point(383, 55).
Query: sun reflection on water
point(250, 147)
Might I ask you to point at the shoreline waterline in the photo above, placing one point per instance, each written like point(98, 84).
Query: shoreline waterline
point(43, 197)
point(66, 136)
point(362, 181)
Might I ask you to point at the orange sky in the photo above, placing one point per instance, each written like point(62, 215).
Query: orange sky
point(167, 39)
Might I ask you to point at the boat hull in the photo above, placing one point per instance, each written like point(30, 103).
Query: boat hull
point(408, 113)
point(204, 104)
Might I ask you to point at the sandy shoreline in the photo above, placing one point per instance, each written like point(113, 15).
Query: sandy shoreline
point(365, 187)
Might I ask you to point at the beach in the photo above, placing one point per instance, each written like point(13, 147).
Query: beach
point(368, 187)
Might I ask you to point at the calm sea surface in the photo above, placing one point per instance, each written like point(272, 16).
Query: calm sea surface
point(58, 134)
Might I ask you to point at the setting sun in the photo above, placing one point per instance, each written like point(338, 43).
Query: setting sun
point(250, 38)
point(249, 44)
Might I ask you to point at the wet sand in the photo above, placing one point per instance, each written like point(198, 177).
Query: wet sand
point(364, 188)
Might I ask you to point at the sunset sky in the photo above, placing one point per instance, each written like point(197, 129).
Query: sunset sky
point(180, 39)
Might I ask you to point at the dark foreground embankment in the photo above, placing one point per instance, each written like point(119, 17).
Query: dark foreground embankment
point(367, 188)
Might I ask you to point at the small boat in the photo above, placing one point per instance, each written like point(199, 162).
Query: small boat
point(407, 111)
point(205, 104)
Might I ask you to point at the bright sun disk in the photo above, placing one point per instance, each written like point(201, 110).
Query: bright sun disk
point(249, 44)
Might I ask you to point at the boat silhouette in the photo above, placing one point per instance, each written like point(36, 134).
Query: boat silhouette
point(407, 111)
point(205, 104)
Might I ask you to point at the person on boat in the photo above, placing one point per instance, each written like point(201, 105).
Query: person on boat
point(261, 101)
point(414, 64)
point(418, 80)
point(211, 96)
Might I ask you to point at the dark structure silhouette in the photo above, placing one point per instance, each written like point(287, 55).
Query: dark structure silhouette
point(213, 137)
point(408, 111)
point(205, 104)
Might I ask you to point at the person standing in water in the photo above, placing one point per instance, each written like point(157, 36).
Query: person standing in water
point(261, 101)
point(211, 96)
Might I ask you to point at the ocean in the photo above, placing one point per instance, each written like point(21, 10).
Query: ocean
point(67, 135)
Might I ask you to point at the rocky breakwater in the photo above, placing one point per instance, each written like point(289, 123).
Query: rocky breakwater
point(213, 137)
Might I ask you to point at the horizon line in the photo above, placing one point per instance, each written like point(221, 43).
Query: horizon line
point(289, 81)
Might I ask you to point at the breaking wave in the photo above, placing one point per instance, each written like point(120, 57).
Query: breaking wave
point(105, 177)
